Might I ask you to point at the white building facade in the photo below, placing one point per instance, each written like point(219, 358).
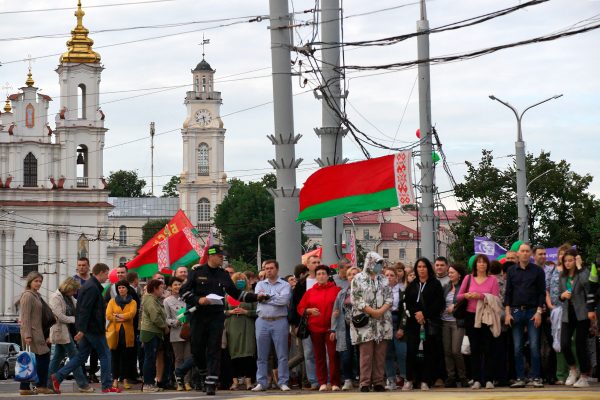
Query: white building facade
point(53, 200)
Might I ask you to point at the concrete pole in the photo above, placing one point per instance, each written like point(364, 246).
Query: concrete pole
point(426, 214)
point(287, 230)
point(522, 211)
point(331, 133)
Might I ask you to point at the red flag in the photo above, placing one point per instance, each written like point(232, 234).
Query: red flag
point(175, 225)
point(318, 252)
point(204, 255)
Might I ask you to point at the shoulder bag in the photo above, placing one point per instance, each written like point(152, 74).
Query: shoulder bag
point(48, 318)
point(460, 308)
point(302, 332)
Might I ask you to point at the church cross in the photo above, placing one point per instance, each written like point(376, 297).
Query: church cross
point(7, 88)
point(30, 60)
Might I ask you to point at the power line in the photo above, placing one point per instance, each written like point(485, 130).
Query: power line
point(92, 6)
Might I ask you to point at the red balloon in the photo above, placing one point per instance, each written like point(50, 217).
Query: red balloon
point(419, 133)
point(112, 276)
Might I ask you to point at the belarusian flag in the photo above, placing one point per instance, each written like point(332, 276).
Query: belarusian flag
point(182, 249)
point(373, 184)
point(175, 225)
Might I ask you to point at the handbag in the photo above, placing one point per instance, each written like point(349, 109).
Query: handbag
point(25, 366)
point(465, 347)
point(48, 318)
point(302, 332)
point(112, 337)
point(460, 308)
point(360, 320)
point(186, 331)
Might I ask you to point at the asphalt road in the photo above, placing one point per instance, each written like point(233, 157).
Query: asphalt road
point(9, 390)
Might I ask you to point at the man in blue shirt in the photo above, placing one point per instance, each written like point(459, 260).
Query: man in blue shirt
point(272, 324)
point(524, 299)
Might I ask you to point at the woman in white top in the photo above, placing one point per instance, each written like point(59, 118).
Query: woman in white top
point(181, 348)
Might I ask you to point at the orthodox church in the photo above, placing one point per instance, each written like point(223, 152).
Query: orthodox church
point(54, 205)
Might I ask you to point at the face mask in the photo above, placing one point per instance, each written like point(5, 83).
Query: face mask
point(377, 268)
point(240, 284)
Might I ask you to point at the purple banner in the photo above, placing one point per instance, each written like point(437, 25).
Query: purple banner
point(487, 246)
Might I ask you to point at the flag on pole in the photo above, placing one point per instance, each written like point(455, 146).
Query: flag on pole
point(353, 248)
point(163, 254)
point(373, 184)
point(175, 225)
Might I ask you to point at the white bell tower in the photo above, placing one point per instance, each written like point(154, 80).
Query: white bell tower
point(203, 180)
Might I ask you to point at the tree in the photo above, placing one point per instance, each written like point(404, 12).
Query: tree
point(152, 227)
point(124, 183)
point(170, 189)
point(245, 213)
point(561, 210)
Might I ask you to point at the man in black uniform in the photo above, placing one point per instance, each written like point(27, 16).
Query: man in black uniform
point(208, 316)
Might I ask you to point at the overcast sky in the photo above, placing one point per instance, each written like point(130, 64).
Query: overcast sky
point(466, 119)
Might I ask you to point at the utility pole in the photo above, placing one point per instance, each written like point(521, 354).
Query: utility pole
point(522, 199)
point(426, 216)
point(331, 132)
point(287, 207)
point(152, 158)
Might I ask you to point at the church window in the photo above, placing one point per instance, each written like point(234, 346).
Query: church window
point(203, 159)
point(30, 171)
point(29, 116)
point(122, 235)
point(203, 210)
point(30, 257)
point(196, 84)
point(81, 101)
point(204, 84)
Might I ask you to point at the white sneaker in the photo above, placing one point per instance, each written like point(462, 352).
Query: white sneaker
point(476, 385)
point(407, 386)
point(581, 383)
point(335, 388)
point(489, 385)
point(347, 385)
point(284, 388)
point(391, 385)
point(258, 388)
point(323, 388)
point(572, 378)
point(424, 386)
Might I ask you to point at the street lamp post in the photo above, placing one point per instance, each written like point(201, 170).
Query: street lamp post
point(258, 252)
point(522, 211)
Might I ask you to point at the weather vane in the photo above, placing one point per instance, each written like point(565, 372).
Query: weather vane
point(204, 43)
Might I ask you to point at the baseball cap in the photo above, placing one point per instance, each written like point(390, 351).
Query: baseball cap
point(216, 249)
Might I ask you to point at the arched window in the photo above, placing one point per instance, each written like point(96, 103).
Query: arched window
point(81, 101)
point(203, 159)
point(122, 261)
point(30, 171)
point(204, 84)
point(30, 256)
point(203, 210)
point(122, 235)
point(82, 166)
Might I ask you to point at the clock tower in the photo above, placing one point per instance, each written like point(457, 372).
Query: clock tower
point(203, 180)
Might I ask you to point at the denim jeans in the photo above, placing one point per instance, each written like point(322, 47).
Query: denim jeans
point(150, 349)
point(523, 319)
point(396, 355)
point(68, 350)
point(347, 358)
point(276, 331)
point(309, 361)
point(86, 344)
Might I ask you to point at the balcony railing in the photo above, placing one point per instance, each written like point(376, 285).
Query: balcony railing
point(82, 182)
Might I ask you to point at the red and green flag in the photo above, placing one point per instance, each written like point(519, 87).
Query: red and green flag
point(176, 224)
point(373, 184)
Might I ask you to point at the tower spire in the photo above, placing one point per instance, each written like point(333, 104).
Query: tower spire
point(7, 104)
point(80, 45)
point(29, 82)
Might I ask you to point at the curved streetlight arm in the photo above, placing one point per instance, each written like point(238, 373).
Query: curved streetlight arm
point(541, 102)
point(514, 110)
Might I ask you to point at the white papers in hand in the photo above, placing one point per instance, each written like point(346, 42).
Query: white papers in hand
point(214, 299)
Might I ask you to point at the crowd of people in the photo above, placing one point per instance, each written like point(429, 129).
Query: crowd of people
point(376, 328)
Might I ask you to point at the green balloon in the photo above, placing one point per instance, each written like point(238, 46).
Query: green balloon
point(471, 262)
point(515, 246)
point(435, 156)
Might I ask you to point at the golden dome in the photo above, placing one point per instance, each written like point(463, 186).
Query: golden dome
point(80, 45)
point(29, 82)
point(7, 105)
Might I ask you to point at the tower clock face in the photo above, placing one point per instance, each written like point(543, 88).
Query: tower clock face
point(203, 117)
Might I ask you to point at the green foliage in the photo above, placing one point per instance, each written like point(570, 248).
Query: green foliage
point(561, 209)
point(170, 189)
point(240, 265)
point(124, 183)
point(151, 228)
point(245, 213)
